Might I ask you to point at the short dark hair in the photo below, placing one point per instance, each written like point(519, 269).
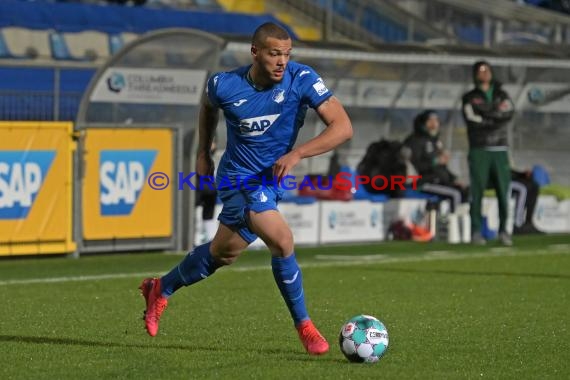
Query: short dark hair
point(269, 29)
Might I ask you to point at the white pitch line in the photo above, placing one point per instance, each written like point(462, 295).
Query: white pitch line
point(356, 261)
point(97, 277)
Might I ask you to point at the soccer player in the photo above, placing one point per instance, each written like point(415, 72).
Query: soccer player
point(264, 105)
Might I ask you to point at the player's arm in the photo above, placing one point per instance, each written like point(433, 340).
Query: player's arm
point(208, 122)
point(338, 130)
point(472, 114)
point(504, 111)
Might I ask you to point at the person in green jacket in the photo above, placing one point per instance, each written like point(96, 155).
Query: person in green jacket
point(487, 109)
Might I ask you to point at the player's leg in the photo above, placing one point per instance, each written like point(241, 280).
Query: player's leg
point(272, 228)
point(197, 265)
point(200, 263)
point(501, 174)
point(204, 260)
point(479, 173)
point(444, 191)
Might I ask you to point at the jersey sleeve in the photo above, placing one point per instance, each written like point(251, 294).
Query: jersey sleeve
point(312, 87)
point(212, 89)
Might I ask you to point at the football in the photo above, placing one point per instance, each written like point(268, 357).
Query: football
point(363, 339)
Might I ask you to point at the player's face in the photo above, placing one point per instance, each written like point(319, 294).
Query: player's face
point(272, 58)
point(484, 74)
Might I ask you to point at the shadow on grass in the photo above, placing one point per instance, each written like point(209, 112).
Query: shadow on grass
point(94, 343)
point(283, 353)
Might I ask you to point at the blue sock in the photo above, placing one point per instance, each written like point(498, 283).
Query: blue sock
point(196, 266)
point(288, 277)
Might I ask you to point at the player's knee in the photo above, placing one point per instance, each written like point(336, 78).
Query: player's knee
point(226, 260)
point(283, 244)
point(226, 256)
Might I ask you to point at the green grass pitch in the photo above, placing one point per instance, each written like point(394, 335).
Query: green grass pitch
point(452, 312)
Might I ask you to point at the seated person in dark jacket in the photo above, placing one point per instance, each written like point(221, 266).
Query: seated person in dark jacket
point(426, 153)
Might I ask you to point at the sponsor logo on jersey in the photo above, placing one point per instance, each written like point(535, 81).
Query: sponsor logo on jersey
point(304, 72)
point(320, 87)
point(122, 175)
point(240, 102)
point(256, 126)
point(22, 175)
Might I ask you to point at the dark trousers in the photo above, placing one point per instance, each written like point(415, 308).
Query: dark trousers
point(207, 199)
point(454, 193)
point(489, 168)
point(526, 193)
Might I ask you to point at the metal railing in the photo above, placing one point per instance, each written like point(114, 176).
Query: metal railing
point(39, 105)
point(54, 104)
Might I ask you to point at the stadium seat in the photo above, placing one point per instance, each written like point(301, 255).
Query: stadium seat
point(59, 47)
point(4, 52)
point(87, 45)
point(118, 40)
point(26, 43)
point(116, 43)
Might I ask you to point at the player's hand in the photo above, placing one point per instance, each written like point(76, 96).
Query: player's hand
point(284, 165)
point(204, 165)
point(443, 158)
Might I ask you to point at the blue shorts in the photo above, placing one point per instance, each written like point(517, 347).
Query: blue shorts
point(238, 202)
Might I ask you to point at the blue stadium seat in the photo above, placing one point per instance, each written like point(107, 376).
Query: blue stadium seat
point(113, 19)
point(470, 34)
point(116, 43)
point(58, 47)
point(4, 52)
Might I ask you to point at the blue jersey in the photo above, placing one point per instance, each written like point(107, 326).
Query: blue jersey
point(262, 125)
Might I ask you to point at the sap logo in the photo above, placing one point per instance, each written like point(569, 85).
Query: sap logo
point(320, 87)
point(22, 174)
point(122, 174)
point(256, 126)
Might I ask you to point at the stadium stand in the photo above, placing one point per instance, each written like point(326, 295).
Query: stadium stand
point(72, 17)
point(26, 43)
point(86, 45)
point(490, 22)
point(44, 33)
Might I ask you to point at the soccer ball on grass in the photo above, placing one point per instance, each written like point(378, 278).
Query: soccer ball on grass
point(363, 339)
